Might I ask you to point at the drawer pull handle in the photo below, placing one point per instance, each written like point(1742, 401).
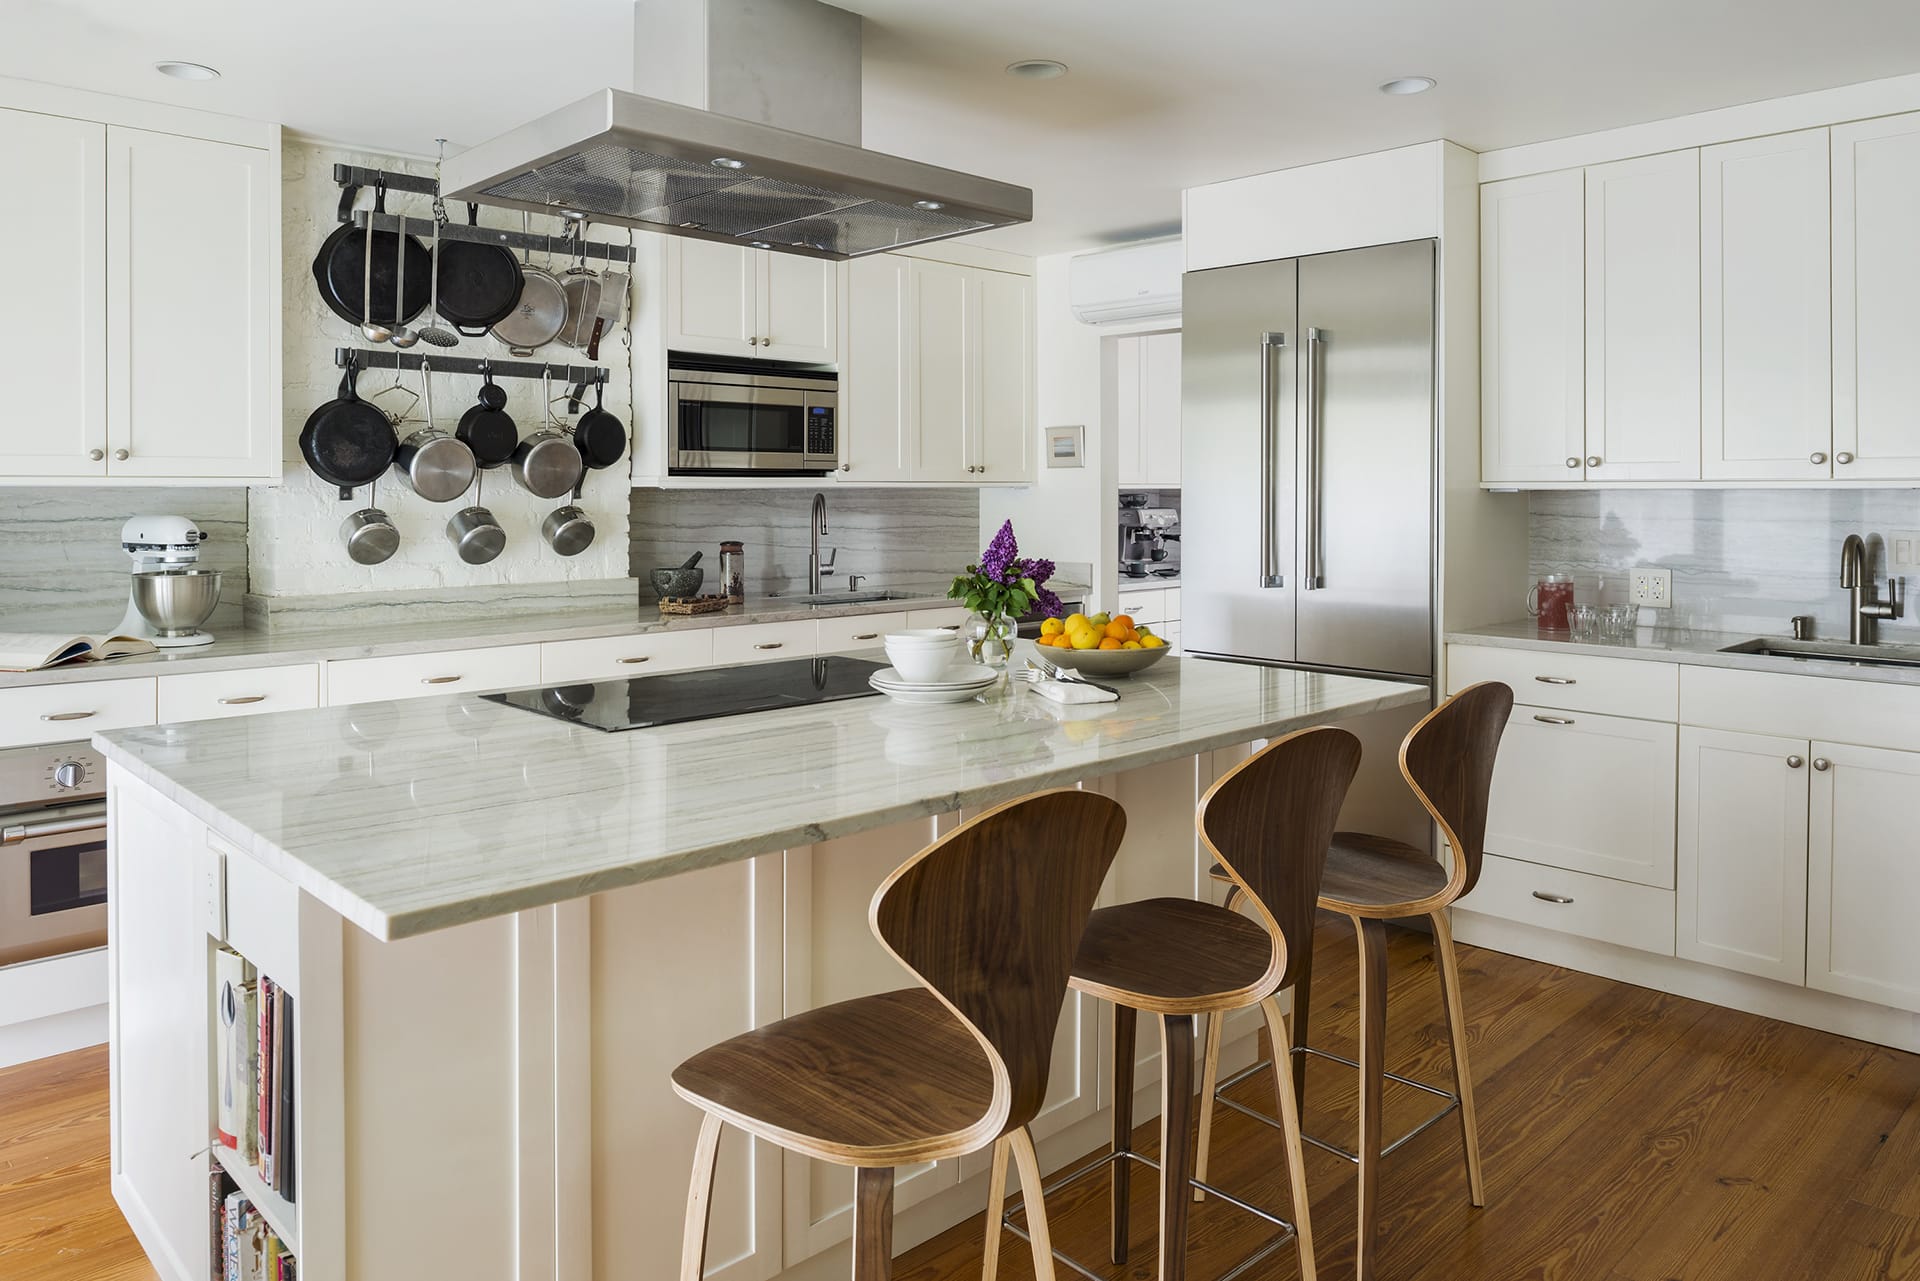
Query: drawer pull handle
point(866, 636)
point(438, 680)
point(638, 658)
point(1545, 897)
point(771, 645)
point(1554, 720)
point(1794, 762)
point(1556, 680)
point(241, 700)
point(66, 716)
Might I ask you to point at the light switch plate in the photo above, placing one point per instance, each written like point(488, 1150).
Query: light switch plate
point(1903, 551)
point(1649, 586)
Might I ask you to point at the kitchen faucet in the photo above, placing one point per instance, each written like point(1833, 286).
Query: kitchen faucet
point(1863, 608)
point(818, 526)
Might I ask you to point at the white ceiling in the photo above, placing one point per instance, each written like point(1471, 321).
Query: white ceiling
point(1161, 95)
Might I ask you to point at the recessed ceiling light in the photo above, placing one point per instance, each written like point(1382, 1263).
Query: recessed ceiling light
point(929, 205)
point(727, 162)
point(1037, 69)
point(1408, 84)
point(186, 71)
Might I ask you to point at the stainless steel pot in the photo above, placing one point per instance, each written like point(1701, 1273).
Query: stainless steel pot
point(476, 535)
point(537, 318)
point(370, 536)
point(547, 464)
point(436, 466)
point(568, 530)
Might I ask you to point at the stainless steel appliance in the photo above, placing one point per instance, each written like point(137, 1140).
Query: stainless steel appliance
point(1308, 417)
point(53, 851)
point(671, 698)
point(752, 418)
point(1150, 538)
point(168, 598)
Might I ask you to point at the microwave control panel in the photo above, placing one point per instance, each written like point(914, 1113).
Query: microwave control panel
point(820, 431)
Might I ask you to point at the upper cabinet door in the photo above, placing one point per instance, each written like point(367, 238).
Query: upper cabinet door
point(799, 308)
point(875, 381)
point(1863, 880)
point(192, 269)
point(1533, 329)
point(1765, 331)
point(1160, 409)
point(943, 390)
point(53, 348)
point(1004, 444)
point(1129, 409)
point(1643, 318)
point(712, 292)
point(1876, 278)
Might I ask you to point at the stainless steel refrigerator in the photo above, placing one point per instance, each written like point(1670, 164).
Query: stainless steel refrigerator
point(1308, 429)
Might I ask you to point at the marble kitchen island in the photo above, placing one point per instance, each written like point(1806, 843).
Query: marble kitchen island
point(502, 931)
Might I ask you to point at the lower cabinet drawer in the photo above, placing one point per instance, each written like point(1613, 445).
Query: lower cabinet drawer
point(1595, 907)
point(1574, 682)
point(606, 658)
point(951, 620)
point(862, 631)
point(1142, 607)
point(73, 709)
point(461, 671)
point(762, 642)
point(207, 696)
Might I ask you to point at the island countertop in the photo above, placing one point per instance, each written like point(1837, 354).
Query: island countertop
point(411, 817)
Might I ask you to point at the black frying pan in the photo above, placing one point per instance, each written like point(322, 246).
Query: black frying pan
point(487, 427)
point(339, 269)
point(480, 283)
point(600, 437)
point(347, 441)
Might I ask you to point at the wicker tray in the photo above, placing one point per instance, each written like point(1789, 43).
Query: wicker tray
point(692, 604)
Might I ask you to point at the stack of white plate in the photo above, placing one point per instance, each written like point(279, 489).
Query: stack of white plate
point(958, 684)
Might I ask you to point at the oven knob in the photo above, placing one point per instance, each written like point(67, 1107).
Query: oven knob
point(69, 774)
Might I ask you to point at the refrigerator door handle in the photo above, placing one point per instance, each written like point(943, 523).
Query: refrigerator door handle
point(1270, 575)
point(1313, 572)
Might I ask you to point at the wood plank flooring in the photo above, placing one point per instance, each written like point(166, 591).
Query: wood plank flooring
point(1628, 1136)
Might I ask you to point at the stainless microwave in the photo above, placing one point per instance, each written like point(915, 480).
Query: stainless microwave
point(752, 418)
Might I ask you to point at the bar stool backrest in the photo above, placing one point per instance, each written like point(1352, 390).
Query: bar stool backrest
point(1269, 821)
point(989, 917)
point(1448, 760)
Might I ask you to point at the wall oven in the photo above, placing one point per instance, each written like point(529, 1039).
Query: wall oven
point(53, 851)
point(751, 418)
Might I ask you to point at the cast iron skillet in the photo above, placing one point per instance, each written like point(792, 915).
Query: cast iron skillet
point(347, 441)
point(339, 269)
point(600, 437)
point(479, 283)
point(487, 427)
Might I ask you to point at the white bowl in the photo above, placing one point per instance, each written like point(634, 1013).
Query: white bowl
point(926, 636)
point(923, 662)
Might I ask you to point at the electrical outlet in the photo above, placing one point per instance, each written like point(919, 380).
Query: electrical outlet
point(1903, 551)
point(1649, 586)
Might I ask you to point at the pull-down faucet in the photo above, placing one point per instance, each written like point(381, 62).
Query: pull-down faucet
point(817, 522)
point(1864, 609)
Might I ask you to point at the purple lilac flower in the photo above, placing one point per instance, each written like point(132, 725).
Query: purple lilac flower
point(1038, 569)
point(1050, 605)
point(1000, 554)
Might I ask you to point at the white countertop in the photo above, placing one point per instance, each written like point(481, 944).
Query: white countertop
point(410, 817)
point(1700, 649)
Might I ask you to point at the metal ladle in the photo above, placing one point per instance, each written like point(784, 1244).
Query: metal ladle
point(373, 332)
point(401, 335)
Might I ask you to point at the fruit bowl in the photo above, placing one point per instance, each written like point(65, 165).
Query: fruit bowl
point(1101, 662)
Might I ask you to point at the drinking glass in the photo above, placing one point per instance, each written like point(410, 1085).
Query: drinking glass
point(1583, 622)
point(1617, 622)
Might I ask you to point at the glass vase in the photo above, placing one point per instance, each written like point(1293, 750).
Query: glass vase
point(990, 638)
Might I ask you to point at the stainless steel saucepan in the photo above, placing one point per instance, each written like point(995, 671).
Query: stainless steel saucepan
point(436, 466)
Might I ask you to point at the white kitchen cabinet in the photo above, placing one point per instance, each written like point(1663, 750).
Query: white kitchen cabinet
point(1533, 329)
point(1643, 318)
point(943, 352)
point(605, 658)
point(1588, 793)
point(249, 691)
point(1147, 410)
point(1002, 440)
point(730, 300)
point(764, 642)
point(1595, 907)
point(1766, 408)
point(1741, 897)
point(947, 618)
point(1863, 878)
point(73, 709)
point(874, 383)
point(458, 671)
point(858, 631)
point(1146, 605)
point(1876, 276)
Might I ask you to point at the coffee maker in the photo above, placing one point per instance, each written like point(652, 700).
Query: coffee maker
point(1149, 537)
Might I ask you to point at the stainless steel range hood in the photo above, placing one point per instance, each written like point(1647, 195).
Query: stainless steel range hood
point(667, 166)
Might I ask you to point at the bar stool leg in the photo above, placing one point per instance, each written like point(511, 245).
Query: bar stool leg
point(1449, 965)
point(1372, 936)
point(1209, 1085)
point(1176, 1142)
point(1296, 1147)
point(1302, 1002)
point(873, 1223)
point(693, 1240)
point(1121, 1172)
point(996, 1203)
point(1028, 1161)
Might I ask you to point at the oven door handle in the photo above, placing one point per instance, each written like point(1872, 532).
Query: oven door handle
point(84, 818)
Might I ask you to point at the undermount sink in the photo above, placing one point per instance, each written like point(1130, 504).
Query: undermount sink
point(1830, 652)
point(842, 598)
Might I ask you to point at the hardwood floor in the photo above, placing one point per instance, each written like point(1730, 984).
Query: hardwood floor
point(1628, 1136)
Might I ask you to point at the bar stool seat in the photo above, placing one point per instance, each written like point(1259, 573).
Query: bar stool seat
point(1366, 871)
point(1173, 956)
point(880, 1080)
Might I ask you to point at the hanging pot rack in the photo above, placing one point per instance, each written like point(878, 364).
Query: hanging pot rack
point(351, 178)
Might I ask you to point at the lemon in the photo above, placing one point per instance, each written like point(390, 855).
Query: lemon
point(1084, 638)
point(1152, 642)
point(1052, 626)
point(1130, 644)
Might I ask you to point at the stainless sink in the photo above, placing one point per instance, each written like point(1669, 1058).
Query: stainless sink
point(1830, 652)
point(843, 598)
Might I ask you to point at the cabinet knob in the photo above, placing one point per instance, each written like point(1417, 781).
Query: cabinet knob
point(1843, 458)
point(1794, 762)
point(846, 466)
point(1816, 458)
point(1822, 764)
point(1593, 460)
point(96, 454)
point(120, 455)
point(1573, 462)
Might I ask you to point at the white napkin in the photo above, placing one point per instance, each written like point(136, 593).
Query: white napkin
point(1073, 692)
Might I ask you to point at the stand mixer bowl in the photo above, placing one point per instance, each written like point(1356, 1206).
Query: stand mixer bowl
point(176, 601)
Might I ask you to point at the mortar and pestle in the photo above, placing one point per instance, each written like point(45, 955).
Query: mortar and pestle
point(680, 580)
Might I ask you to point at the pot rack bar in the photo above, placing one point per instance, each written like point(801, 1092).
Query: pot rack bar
point(353, 177)
point(575, 375)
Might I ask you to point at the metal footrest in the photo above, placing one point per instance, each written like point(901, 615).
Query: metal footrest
point(1266, 1065)
point(1286, 1234)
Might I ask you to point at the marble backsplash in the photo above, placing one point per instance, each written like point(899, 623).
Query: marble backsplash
point(60, 559)
point(1743, 560)
point(895, 537)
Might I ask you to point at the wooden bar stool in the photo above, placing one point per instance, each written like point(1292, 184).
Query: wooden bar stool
point(1447, 759)
point(1268, 821)
point(987, 919)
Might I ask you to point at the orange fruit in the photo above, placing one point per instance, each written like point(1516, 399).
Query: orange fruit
point(1125, 620)
point(1111, 642)
point(1117, 629)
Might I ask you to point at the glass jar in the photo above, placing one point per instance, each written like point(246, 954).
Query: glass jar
point(990, 638)
point(733, 571)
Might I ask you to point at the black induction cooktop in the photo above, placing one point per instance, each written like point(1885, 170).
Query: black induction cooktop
point(639, 702)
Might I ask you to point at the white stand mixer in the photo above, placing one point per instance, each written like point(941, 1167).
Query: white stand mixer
point(168, 597)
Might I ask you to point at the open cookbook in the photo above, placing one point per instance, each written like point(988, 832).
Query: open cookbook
point(31, 651)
